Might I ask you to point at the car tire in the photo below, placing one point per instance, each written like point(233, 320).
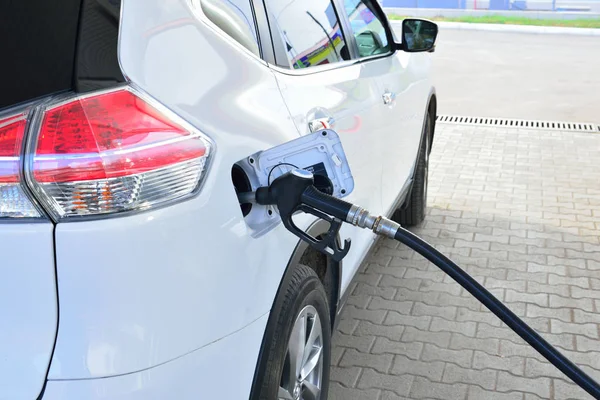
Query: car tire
point(412, 212)
point(298, 347)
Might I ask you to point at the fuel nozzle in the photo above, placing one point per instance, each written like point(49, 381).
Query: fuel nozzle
point(286, 191)
point(294, 191)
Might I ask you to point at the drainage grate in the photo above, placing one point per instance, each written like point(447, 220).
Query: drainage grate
point(520, 123)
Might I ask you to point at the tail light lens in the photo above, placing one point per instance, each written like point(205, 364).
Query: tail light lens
point(14, 202)
point(113, 152)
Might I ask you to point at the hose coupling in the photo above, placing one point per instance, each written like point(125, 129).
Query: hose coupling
point(386, 227)
point(360, 217)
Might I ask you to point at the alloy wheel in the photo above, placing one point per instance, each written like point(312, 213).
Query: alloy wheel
point(303, 369)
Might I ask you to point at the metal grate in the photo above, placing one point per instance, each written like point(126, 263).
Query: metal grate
point(520, 123)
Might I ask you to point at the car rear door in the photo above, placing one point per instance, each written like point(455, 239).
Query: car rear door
point(402, 91)
point(324, 86)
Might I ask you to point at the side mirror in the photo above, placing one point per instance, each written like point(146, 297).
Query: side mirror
point(418, 35)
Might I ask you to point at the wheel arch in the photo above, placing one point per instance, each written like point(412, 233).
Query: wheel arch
point(326, 269)
point(328, 272)
point(432, 109)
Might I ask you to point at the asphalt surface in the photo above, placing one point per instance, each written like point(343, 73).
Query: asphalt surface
point(514, 75)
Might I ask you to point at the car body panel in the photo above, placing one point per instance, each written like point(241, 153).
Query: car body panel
point(221, 370)
point(28, 309)
point(349, 95)
point(405, 77)
point(140, 290)
point(151, 300)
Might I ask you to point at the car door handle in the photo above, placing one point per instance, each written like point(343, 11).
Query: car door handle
point(388, 97)
point(318, 124)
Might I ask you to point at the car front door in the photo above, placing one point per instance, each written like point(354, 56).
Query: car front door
point(401, 92)
point(323, 85)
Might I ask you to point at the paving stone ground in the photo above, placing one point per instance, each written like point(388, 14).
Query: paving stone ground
point(520, 210)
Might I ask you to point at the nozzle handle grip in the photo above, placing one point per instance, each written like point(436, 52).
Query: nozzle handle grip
point(328, 204)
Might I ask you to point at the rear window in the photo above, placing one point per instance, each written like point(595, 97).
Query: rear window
point(54, 46)
point(37, 43)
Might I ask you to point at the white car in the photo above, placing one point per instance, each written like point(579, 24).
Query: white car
point(129, 269)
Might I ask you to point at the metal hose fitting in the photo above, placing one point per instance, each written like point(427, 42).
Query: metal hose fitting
point(360, 217)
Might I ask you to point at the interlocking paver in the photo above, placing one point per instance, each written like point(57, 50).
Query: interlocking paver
point(581, 316)
point(562, 301)
point(491, 283)
point(394, 318)
point(535, 368)
point(462, 342)
point(360, 343)
point(508, 382)
point(587, 344)
point(430, 369)
point(519, 209)
point(556, 269)
point(408, 349)
point(477, 393)
point(589, 330)
point(564, 390)
point(534, 311)
point(486, 378)
point(369, 329)
point(447, 312)
point(442, 325)
point(397, 384)
point(353, 358)
point(514, 365)
point(385, 395)
point(438, 338)
point(539, 277)
point(347, 376)
point(436, 353)
point(582, 282)
point(402, 307)
point(425, 389)
point(339, 392)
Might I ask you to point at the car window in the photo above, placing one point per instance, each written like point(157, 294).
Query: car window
point(306, 33)
point(235, 18)
point(371, 36)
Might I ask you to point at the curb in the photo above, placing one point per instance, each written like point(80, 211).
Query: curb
point(544, 30)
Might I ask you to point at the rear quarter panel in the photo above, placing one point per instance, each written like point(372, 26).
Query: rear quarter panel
point(141, 290)
point(28, 308)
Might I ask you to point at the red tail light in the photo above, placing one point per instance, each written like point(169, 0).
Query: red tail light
point(14, 202)
point(113, 152)
point(12, 131)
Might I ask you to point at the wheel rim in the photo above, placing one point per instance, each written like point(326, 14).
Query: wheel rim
point(303, 369)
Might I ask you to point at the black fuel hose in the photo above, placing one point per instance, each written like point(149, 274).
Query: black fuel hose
point(294, 189)
point(500, 310)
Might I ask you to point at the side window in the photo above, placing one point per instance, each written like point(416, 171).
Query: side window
point(369, 31)
point(306, 33)
point(235, 18)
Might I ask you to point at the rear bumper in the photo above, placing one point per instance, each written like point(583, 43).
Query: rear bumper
point(221, 370)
